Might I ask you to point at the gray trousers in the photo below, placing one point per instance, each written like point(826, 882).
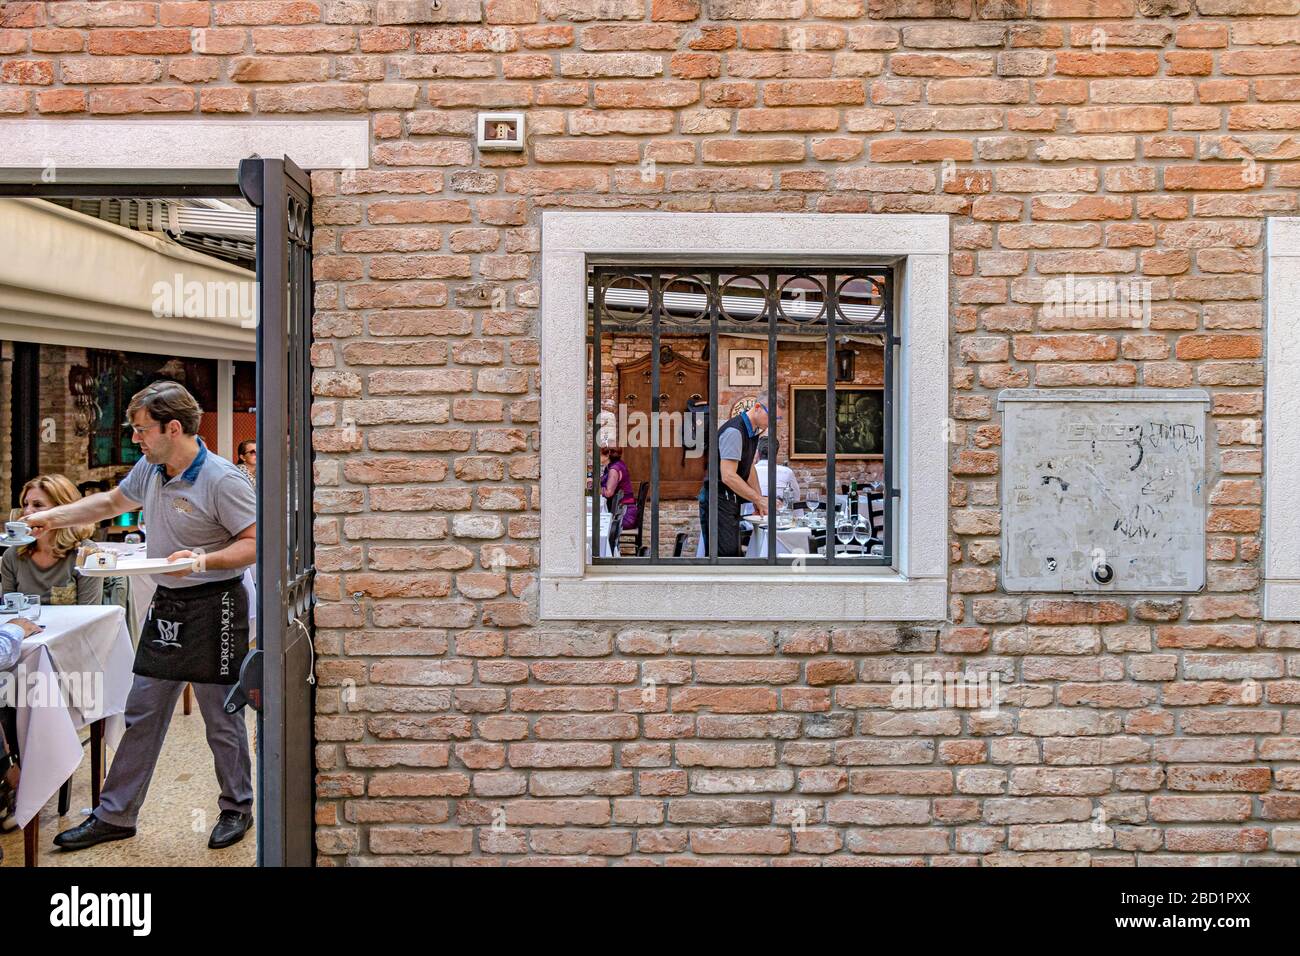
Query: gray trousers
point(149, 709)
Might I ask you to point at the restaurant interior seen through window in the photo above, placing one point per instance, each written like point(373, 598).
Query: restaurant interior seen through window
point(729, 408)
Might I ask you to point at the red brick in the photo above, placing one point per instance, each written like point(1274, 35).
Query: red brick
point(149, 100)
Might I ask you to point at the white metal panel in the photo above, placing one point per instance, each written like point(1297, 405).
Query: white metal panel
point(1103, 489)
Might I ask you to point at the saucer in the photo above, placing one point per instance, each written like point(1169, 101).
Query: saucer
point(15, 542)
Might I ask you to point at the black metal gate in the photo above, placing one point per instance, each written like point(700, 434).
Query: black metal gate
point(281, 193)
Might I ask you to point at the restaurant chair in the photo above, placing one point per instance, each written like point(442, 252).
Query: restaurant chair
point(88, 488)
point(635, 536)
point(616, 528)
point(876, 512)
point(679, 544)
point(116, 591)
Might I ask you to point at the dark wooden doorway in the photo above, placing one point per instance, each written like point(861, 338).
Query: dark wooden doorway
point(681, 381)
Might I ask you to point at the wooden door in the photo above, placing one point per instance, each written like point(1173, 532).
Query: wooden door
point(681, 470)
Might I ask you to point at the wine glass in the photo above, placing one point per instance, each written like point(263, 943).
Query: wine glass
point(814, 502)
point(861, 533)
point(843, 531)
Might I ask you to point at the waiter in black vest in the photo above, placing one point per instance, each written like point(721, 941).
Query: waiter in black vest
point(737, 479)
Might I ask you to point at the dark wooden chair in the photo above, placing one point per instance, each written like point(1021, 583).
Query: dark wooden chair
point(616, 528)
point(679, 544)
point(635, 536)
point(876, 512)
point(87, 488)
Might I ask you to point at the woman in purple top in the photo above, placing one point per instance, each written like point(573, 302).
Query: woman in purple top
point(614, 479)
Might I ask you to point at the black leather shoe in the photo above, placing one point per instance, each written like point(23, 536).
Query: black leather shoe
point(230, 829)
point(91, 833)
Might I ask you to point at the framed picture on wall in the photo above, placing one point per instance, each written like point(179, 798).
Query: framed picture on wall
point(859, 422)
point(746, 367)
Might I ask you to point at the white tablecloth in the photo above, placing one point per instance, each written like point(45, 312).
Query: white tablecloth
point(605, 551)
point(69, 675)
point(788, 541)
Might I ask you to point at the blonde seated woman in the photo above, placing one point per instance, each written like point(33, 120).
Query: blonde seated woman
point(48, 562)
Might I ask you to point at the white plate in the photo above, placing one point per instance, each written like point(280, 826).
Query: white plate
point(139, 566)
point(762, 523)
point(15, 542)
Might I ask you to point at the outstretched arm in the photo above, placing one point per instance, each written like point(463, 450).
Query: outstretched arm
point(91, 510)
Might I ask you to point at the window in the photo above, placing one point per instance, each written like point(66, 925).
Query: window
point(813, 345)
point(116, 376)
point(838, 324)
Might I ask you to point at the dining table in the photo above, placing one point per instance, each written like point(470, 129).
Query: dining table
point(792, 539)
point(605, 517)
point(72, 675)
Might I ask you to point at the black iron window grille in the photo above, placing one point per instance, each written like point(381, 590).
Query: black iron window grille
point(819, 354)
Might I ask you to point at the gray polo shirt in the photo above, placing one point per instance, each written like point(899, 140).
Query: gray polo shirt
point(205, 507)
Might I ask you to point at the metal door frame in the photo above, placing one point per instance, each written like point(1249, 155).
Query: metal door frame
point(272, 806)
point(285, 564)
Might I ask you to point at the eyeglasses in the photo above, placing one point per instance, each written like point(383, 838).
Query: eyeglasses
point(137, 430)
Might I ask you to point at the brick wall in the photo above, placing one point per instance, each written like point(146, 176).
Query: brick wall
point(1128, 138)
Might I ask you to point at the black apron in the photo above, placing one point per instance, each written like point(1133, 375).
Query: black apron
point(728, 502)
point(197, 634)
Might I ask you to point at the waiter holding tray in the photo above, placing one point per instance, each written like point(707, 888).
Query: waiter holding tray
point(201, 512)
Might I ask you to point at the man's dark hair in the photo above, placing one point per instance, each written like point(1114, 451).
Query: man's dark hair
point(168, 402)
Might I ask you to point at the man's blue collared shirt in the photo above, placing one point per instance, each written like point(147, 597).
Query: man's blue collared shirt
point(190, 473)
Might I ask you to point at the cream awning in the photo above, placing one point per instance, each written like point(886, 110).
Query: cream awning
point(74, 280)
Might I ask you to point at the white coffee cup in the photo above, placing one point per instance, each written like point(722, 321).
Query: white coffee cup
point(17, 529)
point(15, 601)
point(103, 560)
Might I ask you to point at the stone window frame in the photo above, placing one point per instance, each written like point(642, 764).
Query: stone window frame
point(1282, 421)
point(915, 588)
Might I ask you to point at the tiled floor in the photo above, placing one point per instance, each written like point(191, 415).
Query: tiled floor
point(178, 815)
